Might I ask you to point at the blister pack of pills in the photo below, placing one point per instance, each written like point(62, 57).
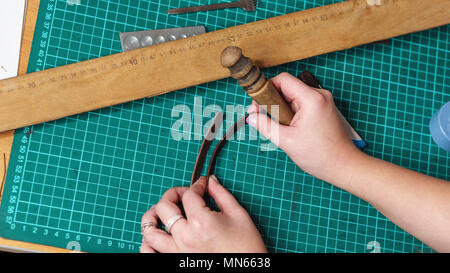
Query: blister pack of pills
point(139, 39)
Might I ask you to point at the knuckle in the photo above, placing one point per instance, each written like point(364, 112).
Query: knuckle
point(201, 222)
point(197, 223)
point(208, 222)
point(188, 241)
point(199, 185)
point(287, 142)
point(327, 94)
point(239, 211)
point(161, 204)
point(318, 99)
point(283, 74)
point(169, 191)
point(186, 196)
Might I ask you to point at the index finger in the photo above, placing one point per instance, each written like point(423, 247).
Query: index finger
point(167, 208)
point(292, 88)
point(193, 201)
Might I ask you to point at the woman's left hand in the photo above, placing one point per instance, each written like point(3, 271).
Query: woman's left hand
point(203, 230)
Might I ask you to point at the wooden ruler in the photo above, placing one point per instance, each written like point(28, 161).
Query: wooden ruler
point(7, 137)
point(85, 86)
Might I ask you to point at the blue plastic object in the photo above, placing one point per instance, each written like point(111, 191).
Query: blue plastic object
point(360, 144)
point(440, 127)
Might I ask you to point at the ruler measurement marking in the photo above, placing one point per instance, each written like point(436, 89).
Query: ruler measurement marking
point(298, 29)
point(194, 45)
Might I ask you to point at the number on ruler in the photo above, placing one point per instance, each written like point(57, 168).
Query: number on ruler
point(374, 246)
point(74, 246)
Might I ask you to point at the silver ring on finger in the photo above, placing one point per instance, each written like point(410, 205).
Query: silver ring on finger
point(144, 226)
point(172, 221)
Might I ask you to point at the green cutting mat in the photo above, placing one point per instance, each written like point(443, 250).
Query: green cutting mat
point(84, 181)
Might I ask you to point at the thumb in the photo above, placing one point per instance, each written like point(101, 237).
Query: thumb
point(223, 198)
point(269, 128)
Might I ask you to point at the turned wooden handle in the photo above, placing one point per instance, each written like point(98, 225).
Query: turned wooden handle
point(256, 84)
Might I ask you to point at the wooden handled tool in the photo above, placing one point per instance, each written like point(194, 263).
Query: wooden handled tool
point(85, 86)
point(256, 84)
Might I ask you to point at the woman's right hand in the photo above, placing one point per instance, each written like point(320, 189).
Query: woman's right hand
point(315, 140)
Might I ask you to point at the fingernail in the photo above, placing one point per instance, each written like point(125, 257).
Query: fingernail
point(213, 178)
point(252, 109)
point(201, 179)
point(251, 120)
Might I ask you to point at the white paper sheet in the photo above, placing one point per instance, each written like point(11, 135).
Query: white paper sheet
point(11, 27)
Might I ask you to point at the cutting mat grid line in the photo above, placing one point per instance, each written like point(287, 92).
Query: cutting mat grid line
point(90, 177)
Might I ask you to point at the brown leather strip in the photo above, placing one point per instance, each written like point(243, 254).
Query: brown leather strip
point(306, 76)
point(209, 137)
point(228, 134)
